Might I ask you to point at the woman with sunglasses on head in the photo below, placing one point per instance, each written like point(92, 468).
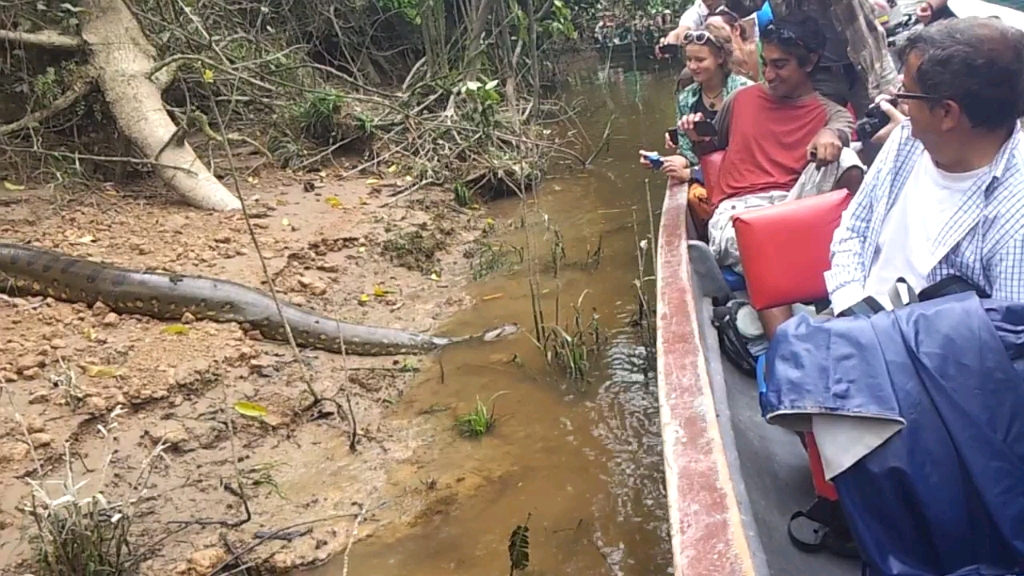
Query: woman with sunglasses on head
point(709, 63)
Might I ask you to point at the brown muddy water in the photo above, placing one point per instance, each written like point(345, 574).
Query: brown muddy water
point(584, 461)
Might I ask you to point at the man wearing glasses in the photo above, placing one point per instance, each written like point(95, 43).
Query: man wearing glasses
point(945, 196)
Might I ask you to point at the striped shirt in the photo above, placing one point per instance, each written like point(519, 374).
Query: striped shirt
point(983, 242)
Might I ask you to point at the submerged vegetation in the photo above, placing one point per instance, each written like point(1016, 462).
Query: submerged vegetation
point(478, 421)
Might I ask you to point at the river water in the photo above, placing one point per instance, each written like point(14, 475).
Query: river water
point(583, 461)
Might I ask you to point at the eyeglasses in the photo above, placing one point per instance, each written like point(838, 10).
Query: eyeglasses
point(901, 94)
point(700, 37)
point(723, 11)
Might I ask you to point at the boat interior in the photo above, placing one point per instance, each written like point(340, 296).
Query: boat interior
point(768, 465)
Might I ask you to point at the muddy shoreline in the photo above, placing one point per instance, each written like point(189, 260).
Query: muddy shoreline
point(108, 390)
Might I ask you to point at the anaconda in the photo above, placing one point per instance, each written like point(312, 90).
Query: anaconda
point(31, 271)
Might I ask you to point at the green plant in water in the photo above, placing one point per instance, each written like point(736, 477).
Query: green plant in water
point(479, 420)
point(570, 346)
point(491, 258)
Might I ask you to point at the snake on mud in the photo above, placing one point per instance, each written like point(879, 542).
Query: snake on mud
point(31, 271)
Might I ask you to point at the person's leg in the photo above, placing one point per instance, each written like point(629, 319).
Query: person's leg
point(722, 235)
point(772, 318)
point(850, 179)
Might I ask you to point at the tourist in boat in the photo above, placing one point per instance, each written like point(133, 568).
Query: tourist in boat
point(945, 196)
point(708, 61)
point(696, 16)
point(782, 139)
point(855, 66)
point(742, 30)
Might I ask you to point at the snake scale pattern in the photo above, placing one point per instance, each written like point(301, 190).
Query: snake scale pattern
point(31, 271)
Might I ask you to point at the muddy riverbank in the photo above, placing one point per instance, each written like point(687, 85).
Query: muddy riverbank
point(582, 459)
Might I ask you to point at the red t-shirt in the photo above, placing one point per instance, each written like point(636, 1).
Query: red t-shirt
point(766, 138)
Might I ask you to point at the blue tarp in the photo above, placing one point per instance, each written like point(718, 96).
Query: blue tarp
point(944, 495)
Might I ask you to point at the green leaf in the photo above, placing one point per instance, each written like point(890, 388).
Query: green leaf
point(250, 409)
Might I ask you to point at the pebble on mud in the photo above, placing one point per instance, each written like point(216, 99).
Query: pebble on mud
point(27, 363)
point(40, 439)
point(13, 452)
point(205, 561)
point(187, 318)
point(40, 397)
point(111, 319)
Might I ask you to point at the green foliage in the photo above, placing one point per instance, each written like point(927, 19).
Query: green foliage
point(484, 99)
point(316, 115)
point(478, 421)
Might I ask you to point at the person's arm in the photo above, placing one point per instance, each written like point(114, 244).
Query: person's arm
point(845, 280)
point(690, 20)
point(867, 46)
point(1006, 271)
point(838, 119)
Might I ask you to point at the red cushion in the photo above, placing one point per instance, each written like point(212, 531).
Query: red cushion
point(785, 248)
point(711, 167)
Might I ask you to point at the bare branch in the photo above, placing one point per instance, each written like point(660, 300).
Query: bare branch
point(46, 39)
point(65, 100)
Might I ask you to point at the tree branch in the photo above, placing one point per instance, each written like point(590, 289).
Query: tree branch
point(46, 39)
point(65, 100)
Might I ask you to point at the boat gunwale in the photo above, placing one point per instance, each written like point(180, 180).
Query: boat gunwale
point(711, 520)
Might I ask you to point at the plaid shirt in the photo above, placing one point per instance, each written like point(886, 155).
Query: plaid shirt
point(867, 44)
point(983, 242)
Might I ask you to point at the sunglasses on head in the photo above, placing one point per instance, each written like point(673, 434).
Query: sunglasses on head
point(727, 14)
point(774, 32)
point(699, 37)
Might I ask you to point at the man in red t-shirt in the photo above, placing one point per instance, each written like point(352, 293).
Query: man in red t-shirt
point(782, 140)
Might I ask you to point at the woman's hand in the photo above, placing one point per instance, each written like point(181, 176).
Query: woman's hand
point(676, 167)
point(895, 118)
point(686, 125)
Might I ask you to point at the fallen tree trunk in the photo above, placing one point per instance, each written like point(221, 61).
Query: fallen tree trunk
point(121, 60)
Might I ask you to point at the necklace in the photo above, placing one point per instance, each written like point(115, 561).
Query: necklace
point(710, 100)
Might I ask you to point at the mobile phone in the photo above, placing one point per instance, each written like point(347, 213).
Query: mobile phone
point(673, 136)
point(655, 159)
point(670, 49)
point(705, 129)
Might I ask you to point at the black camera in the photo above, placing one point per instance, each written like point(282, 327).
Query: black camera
point(874, 120)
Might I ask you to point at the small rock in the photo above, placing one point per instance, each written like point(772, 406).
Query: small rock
point(34, 424)
point(111, 319)
point(57, 344)
point(100, 309)
point(254, 335)
point(28, 362)
point(13, 452)
point(40, 397)
point(305, 281)
point(187, 318)
point(223, 238)
point(32, 373)
point(205, 561)
point(95, 405)
point(40, 439)
point(6, 376)
point(318, 289)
